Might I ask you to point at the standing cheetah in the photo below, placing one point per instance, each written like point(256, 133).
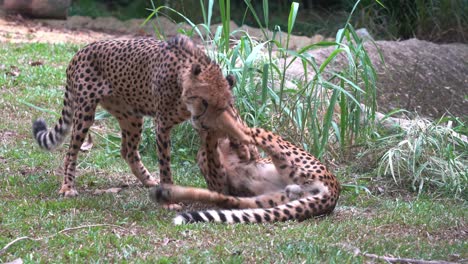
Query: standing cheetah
point(130, 79)
point(292, 185)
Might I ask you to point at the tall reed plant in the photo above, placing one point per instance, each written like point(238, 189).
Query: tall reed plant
point(323, 105)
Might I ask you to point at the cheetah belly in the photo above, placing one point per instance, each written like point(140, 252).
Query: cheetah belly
point(255, 179)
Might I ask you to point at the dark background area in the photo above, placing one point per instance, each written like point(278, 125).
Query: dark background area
point(440, 21)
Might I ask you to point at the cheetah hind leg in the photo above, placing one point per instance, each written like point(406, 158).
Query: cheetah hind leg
point(168, 193)
point(131, 136)
point(83, 118)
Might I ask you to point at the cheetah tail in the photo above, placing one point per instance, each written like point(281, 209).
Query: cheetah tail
point(49, 139)
point(300, 209)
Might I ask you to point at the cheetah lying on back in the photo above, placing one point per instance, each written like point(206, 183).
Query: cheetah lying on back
point(130, 79)
point(292, 185)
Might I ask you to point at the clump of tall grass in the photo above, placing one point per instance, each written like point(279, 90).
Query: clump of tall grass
point(427, 156)
point(310, 110)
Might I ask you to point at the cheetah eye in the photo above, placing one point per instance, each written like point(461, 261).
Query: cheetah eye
point(189, 101)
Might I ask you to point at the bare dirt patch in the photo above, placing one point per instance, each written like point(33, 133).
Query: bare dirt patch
point(7, 136)
point(15, 29)
point(449, 235)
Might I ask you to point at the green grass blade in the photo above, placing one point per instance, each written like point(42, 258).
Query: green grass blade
point(39, 108)
point(292, 17)
point(328, 122)
point(266, 11)
point(265, 74)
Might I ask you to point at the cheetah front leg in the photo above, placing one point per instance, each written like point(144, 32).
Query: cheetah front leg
point(208, 161)
point(131, 126)
point(163, 141)
point(131, 136)
point(286, 157)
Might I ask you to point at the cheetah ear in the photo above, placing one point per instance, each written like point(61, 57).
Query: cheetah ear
point(231, 80)
point(196, 69)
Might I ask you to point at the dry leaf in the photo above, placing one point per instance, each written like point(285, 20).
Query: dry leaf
point(141, 32)
point(14, 71)
point(381, 190)
point(88, 144)
point(16, 261)
point(110, 190)
point(166, 241)
point(36, 63)
point(113, 190)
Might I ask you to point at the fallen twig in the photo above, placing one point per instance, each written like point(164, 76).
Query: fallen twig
point(13, 242)
point(5, 248)
point(356, 251)
point(406, 260)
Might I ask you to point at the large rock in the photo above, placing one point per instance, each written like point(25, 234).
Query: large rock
point(57, 9)
point(429, 78)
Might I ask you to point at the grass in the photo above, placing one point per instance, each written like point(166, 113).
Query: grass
point(127, 227)
point(428, 227)
point(427, 155)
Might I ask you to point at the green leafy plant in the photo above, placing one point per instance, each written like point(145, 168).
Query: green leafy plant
point(320, 104)
point(427, 156)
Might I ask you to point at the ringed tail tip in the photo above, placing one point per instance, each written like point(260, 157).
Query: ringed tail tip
point(38, 126)
point(179, 220)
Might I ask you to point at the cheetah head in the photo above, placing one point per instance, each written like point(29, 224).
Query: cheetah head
point(207, 94)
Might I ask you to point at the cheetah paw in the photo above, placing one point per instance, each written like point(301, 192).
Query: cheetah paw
point(159, 194)
point(172, 207)
point(294, 191)
point(68, 192)
point(150, 182)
